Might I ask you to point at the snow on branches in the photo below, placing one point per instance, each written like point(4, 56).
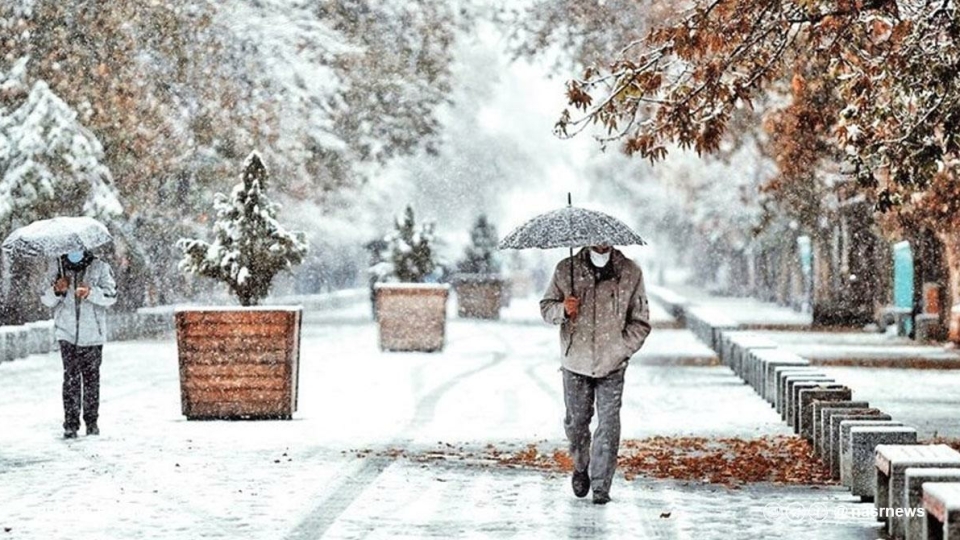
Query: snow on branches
point(50, 164)
point(250, 247)
point(893, 63)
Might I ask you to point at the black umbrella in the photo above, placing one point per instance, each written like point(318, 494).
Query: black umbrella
point(571, 227)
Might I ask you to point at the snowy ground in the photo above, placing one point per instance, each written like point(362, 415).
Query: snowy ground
point(152, 474)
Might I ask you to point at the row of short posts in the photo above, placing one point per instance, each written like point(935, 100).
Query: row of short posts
point(876, 457)
point(20, 341)
point(23, 340)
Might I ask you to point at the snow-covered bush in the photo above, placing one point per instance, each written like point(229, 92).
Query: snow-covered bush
point(250, 246)
point(480, 257)
point(408, 255)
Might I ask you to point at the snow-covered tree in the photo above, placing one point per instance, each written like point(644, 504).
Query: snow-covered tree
point(250, 247)
point(50, 164)
point(408, 255)
point(480, 257)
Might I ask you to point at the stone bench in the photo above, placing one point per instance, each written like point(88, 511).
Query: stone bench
point(891, 461)
point(785, 384)
point(941, 502)
point(864, 441)
point(805, 412)
point(822, 411)
point(914, 478)
point(792, 409)
point(767, 361)
point(838, 447)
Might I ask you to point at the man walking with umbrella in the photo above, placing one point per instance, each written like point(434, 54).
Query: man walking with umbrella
point(598, 299)
point(604, 319)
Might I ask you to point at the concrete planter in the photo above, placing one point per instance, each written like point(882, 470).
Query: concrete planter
point(411, 316)
point(240, 363)
point(479, 296)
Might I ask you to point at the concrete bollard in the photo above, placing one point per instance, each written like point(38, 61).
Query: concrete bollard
point(791, 413)
point(838, 444)
point(805, 417)
point(155, 322)
point(783, 389)
point(780, 373)
point(22, 340)
point(822, 411)
point(6, 345)
point(742, 345)
point(768, 360)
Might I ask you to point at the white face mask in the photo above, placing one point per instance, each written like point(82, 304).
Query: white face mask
point(600, 259)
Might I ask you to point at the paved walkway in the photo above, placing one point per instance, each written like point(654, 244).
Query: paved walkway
point(152, 474)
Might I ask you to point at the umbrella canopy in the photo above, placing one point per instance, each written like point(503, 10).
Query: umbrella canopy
point(571, 227)
point(56, 236)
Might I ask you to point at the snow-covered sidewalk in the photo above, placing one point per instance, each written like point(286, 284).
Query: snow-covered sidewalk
point(152, 474)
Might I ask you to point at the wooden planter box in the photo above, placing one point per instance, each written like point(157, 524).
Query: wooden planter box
point(411, 316)
point(479, 296)
point(238, 363)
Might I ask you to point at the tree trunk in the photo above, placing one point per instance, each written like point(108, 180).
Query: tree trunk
point(951, 293)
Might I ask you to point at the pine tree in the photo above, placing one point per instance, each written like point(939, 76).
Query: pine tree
point(250, 246)
point(480, 257)
point(408, 256)
point(50, 164)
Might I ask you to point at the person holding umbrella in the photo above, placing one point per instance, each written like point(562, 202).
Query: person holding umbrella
point(82, 287)
point(597, 297)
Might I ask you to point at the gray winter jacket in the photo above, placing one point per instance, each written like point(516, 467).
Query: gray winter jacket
point(613, 320)
point(82, 322)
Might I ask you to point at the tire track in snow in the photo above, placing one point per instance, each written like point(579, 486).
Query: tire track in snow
point(343, 494)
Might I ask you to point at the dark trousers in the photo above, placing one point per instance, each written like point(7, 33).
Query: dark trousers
point(599, 455)
point(81, 384)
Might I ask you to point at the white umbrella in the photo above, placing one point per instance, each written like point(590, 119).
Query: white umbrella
point(56, 236)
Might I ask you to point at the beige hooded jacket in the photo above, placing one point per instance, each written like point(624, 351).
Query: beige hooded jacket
point(613, 320)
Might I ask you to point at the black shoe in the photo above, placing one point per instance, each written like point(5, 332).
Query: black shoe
point(92, 429)
point(70, 434)
point(581, 483)
point(601, 497)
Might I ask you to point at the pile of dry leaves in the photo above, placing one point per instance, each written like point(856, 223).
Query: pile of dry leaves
point(727, 461)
